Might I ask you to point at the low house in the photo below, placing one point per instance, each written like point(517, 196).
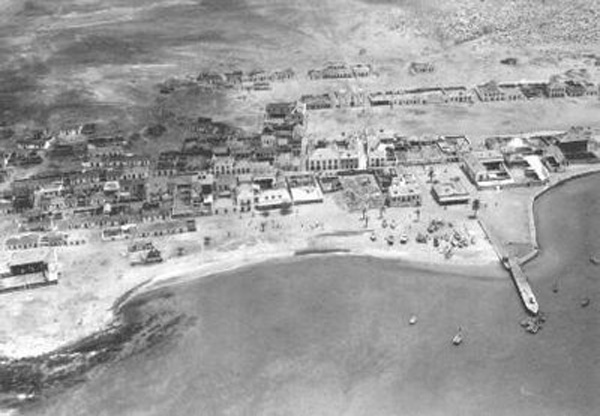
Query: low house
point(211, 78)
point(282, 75)
point(245, 195)
point(578, 144)
point(487, 169)
point(450, 193)
point(492, 91)
point(317, 102)
point(304, 189)
point(556, 89)
point(453, 147)
point(273, 199)
point(580, 88)
point(337, 70)
point(22, 242)
point(403, 193)
point(535, 169)
point(361, 70)
point(511, 92)
point(380, 99)
point(534, 89)
point(421, 68)
point(554, 159)
point(458, 95)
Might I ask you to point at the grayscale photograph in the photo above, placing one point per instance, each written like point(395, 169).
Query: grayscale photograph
point(299, 207)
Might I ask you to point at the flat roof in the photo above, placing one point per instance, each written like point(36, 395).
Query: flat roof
point(450, 190)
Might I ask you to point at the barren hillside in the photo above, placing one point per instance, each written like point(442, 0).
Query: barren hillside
point(71, 59)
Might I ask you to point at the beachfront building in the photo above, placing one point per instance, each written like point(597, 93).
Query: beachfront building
point(273, 199)
point(450, 193)
point(487, 169)
point(578, 144)
point(403, 193)
point(304, 188)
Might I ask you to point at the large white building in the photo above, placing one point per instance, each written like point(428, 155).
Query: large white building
point(330, 159)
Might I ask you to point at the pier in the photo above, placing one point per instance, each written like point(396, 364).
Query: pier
point(522, 284)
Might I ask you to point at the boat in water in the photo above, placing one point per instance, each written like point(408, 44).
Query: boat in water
point(373, 237)
point(390, 239)
point(458, 338)
point(585, 302)
point(403, 239)
point(413, 320)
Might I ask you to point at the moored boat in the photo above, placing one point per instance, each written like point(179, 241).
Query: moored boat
point(413, 320)
point(458, 338)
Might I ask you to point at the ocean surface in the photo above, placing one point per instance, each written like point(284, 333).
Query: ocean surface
point(330, 336)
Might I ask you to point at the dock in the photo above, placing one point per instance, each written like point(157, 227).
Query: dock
point(522, 284)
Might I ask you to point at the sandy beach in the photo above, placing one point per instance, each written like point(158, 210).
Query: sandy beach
point(96, 275)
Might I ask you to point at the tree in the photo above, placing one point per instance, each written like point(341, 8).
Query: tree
point(431, 174)
point(476, 204)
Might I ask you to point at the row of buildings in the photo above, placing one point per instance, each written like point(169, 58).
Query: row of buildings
point(341, 70)
point(571, 84)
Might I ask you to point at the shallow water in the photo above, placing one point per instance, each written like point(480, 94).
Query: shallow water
point(330, 336)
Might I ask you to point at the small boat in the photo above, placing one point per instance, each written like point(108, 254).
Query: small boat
point(585, 302)
point(390, 239)
point(393, 225)
point(384, 224)
point(373, 237)
point(595, 260)
point(458, 338)
point(412, 320)
point(526, 322)
point(403, 239)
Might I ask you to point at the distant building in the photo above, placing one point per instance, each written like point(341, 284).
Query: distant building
point(492, 91)
point(534, 89)
point(361, 70)
point(556, 89)
point(416, 68)
point(317, 102)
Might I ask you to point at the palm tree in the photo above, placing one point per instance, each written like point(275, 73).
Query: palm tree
point(475, 206)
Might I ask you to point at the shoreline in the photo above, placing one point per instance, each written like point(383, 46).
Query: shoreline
point(217, 268)
point(523, 260)
point(483, 263)
point(188, 269)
